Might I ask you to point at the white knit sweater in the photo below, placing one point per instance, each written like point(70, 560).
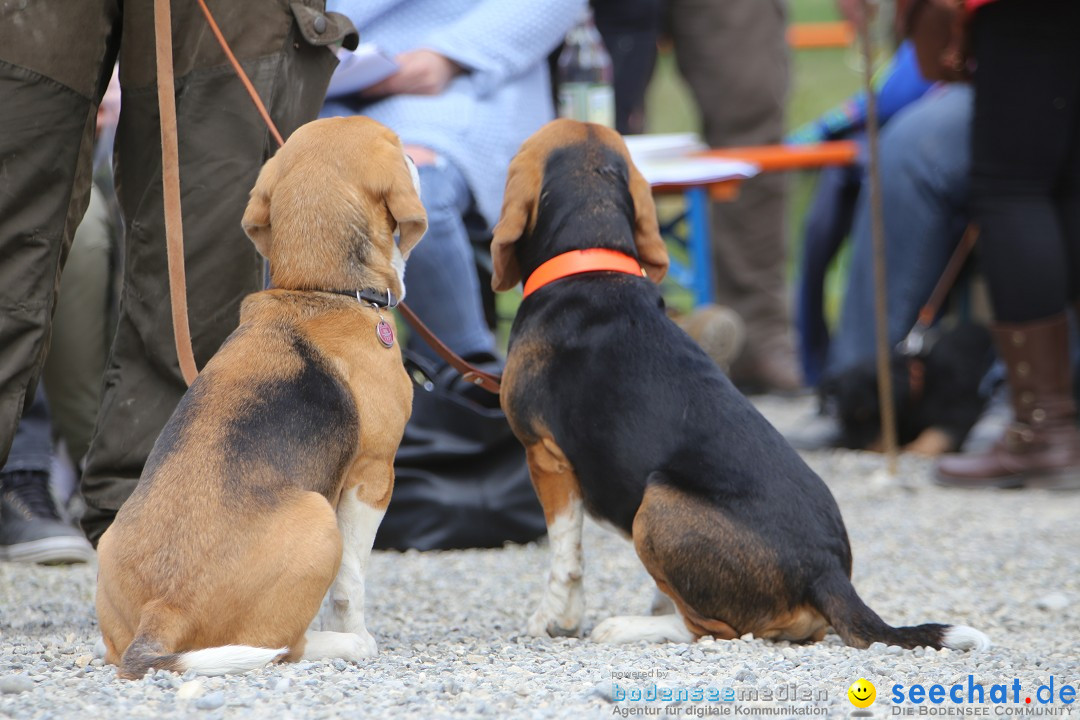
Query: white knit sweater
point(483, 116)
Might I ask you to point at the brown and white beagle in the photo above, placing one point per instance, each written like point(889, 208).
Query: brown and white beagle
point(623, 416)
point(269, 481)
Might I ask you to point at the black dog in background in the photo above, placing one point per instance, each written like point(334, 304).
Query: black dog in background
point(936, 395)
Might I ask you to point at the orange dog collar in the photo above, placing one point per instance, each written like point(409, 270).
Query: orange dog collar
point(576, 262)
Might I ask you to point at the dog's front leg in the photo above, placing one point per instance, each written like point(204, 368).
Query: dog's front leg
point(358, 521)
point(563, 604)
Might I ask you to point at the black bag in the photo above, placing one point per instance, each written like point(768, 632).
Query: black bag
point(461, 477)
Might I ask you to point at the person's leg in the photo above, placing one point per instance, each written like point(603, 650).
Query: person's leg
point(630, 29)
point(47, 119)
point(925, 161)
point(81, 332)
point(1026, 185)
point(734, 56)
point(1069, 206)
point(32, 528)
point(1027, 101)
point(51, 54)
point(828, 222)
point(223, 143)
point(442, 286)
point(32, 446)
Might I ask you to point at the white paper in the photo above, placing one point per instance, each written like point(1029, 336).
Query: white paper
point(694, 170)
point(359, 69)
point(659, 145)
point(674, 158)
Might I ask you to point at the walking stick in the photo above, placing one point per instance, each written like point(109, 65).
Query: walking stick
point(885, 385)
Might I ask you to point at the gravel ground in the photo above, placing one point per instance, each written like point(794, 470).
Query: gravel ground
point(450, 625)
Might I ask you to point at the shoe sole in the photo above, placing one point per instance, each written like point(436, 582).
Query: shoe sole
point(719, 331)
point(1052, 480)
point(59, 550)
point(1064, 480)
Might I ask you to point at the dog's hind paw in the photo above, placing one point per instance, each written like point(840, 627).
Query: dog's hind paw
point(542, 625)
point(660, 628)
point(365, 645)
point(323, 644)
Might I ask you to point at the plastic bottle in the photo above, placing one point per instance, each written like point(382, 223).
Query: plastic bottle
point(585, 75)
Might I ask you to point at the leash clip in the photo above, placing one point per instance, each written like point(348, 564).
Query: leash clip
point(912, 345)
point(918, 342)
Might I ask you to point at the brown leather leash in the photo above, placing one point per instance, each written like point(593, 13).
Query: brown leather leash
point(914, 342)
point(469, 372)
point(171, 193)
point(914, 345)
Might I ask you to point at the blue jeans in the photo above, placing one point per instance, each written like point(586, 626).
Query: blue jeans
point(441, 284)
point(32, 447)
point(828, 223)
point(925, 159)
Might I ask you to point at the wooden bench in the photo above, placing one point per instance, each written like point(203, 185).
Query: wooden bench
point(820, 35)
point(696, 274)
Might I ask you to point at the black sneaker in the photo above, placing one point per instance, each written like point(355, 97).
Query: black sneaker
point(31, 529)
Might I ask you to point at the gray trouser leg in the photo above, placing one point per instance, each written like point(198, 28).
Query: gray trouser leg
point(734, 56)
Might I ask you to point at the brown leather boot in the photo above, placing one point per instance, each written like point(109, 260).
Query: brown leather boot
point(1041, 448)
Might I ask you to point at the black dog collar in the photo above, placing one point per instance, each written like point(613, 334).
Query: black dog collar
point(371, 296)
point(378, 300)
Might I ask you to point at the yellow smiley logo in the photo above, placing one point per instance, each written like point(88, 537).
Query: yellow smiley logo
point(862, 693)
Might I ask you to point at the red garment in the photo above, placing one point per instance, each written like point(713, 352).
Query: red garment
point(973, 5)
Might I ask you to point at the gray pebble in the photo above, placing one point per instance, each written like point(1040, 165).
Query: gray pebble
point(1053, 601)
point(331, 696)
point(450, 625)
point(210, 701)
point(13, 684)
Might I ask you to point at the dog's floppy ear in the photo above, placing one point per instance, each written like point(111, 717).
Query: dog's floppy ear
point(650, 246)
point(403, 200)
point(522, 190)
point(256, 221)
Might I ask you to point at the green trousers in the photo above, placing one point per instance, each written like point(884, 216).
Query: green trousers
point(56, 57)
point(735, 58)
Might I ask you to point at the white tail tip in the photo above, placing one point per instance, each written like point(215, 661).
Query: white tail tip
point(962, 637)
point(228, 659)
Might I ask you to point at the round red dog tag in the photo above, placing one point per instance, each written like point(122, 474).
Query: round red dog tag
point(385, 333)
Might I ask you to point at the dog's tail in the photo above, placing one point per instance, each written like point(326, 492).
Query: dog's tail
point(835, 597)
point(152, 649)
point(146, 654)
